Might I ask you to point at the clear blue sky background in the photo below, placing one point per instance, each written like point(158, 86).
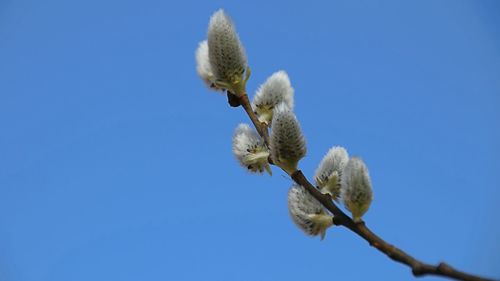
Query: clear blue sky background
point(116, 164)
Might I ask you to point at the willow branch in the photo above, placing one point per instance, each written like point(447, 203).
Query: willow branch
point(417, 267)
point(340, 218)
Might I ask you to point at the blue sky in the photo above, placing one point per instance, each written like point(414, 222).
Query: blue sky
point(116, 164)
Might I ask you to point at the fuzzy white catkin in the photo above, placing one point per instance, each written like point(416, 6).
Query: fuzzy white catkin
point(275, 90)
point(225, 51)
point(356, 191)
point(287, 142)
point(250, 150)
point(329, 172)
point(307, 213)
point(203, 67)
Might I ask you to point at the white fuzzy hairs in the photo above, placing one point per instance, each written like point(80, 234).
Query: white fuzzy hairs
point(307, 213)
point(225, 51)
point(287, 142)
point(356, 191)
point(203, 67)
point(250, 150)
point(329, 171)
point(275, 90)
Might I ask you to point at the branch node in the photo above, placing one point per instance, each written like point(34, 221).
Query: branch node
point(444, 268)
point(417, 270)
point(295, 174)
point(336, 221)
point(360, 223)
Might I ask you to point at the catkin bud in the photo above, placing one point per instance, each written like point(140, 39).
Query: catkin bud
point(287, 142)
point(275, 90)
point(203, 65)
point(356, 188)
point(250, 150)
point(329, 171)
point(226, 54)
point(307, 213)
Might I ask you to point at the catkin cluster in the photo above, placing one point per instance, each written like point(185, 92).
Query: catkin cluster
point(222, 65)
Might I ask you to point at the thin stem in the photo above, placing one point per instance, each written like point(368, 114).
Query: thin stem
point(260, 127)
point(417, 267)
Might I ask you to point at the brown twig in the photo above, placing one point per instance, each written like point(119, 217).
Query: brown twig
point(261, 128)
point(417, 267)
